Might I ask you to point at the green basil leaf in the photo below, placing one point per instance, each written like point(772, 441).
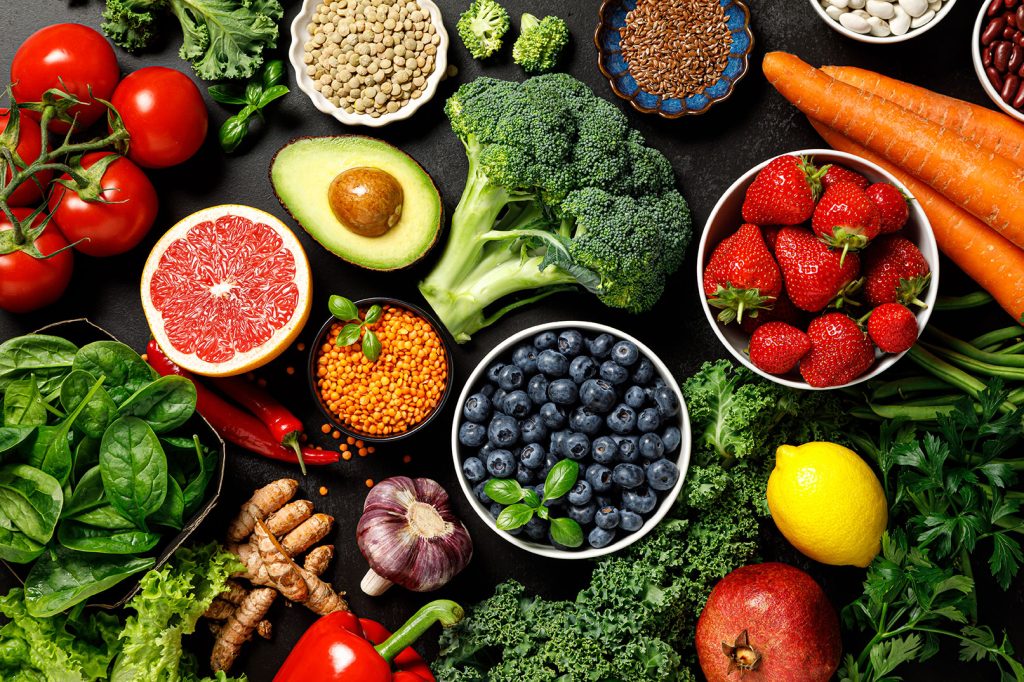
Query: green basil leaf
point(504, 490)
point(531, 498)
point(12, 436)
point(97, 413)
point(165, 404)
point(124, 370)
point(18, 548)
point(48, 357)
point(272, 93)
point(273, 72)
point(104, 516)
point(82, 538)
point(348, 335)
point(225, 94)
point(371, 346)
point(61, 578)
point(566, 532)
point(342, 308)
point(233, 131)
point(253, 90)
point(561, 479)
point(373, 314)
point(23, 404)
point(543, 512)
point(172, 510)
point(30, 500)
point(134, 469)
point(514, 516)
point(87, 495)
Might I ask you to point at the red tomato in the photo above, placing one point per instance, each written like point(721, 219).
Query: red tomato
point(114, 227)
point(165, 115)
point(28, 283)
point(71, 57)
point(30, 142)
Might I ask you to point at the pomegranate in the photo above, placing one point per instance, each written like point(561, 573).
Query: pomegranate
point(771, 623)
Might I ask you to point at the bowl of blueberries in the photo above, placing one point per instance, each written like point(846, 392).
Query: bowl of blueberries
point(571, 440)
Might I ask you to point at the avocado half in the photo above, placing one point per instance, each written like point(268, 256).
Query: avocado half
point(302, 172)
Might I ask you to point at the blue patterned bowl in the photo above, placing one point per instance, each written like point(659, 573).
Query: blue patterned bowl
point(612, 18)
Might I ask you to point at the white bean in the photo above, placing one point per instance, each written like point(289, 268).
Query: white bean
point(854, 23)
point(835, 12)
point(857, 4)
point(900, 24)
point(920, 21)
point(914, 8)
point(880, 9)
point(862, 14)
point(935, 5)
point(879, 27)
point(841, 4)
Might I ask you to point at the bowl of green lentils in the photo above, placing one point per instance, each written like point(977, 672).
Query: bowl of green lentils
point(369, 62)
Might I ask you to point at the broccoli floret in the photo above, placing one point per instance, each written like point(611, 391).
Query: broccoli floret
point(540, 42)
point(482, 27)
point(560, 193)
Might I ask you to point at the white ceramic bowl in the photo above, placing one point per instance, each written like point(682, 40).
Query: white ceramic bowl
point(295, 54)
point(979, 66)
point(726, 218)
point(912, 33)
point(504, 350)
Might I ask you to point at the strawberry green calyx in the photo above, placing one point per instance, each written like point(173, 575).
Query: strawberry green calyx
point(848, 238)
point(814, 175)
point(846, 297)
point(735, 303)
point(910, 289)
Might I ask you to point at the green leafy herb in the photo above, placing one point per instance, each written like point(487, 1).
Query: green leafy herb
point(560, 479)
point(504, 490)
point(514, 516)
point(558, 482)
point(566, 532)
point(260, 91)
point(346, 311)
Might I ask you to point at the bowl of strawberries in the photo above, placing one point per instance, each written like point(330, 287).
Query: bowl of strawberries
point(818, 269)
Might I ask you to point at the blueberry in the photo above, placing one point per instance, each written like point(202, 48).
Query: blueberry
point(537, 388)
point(478, 491)
point(552, 363)
point(607, 518)
point(532, 455)
point(524, 475)
point(644, 372)
point(601, 346)
point(622, 420)
point(630, 521)
point(647, 421)
point(525, 358)
point(515, 531)
point(501, 464)
point(570, 343)
point(666, 400)
point(516, 404)
point(662, 475)
point(641, 500)
point(503, 431)
point(487, 390)
point(580, 493)
point(625, 353)
point(472, 435)
point(557, 444)
point(536, 529)
point(651, 446)
point(577, 446)
point(628, 475)
point(473, 469)
point(613, 373)
point(582, 514)
point(603, 450)
point(582, 368)
point(510, 378)
point(563, 392)
point(485, 449)
point(635, 397)
point(545, 340)
point(549, 462)
point(672, 438)
point(495, 509)
point(497, 398)
point(604, 501)
point(599, 477)
point(532, 429)
point(629, 448)
point(552, 415)
point(600, 538)
point(597, 395)
point(493, 371)
point(585, 421)
point(477, 408)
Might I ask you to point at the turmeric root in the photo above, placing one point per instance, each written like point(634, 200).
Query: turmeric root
point(238, 628)
point(307, 534)
point(317, 560)
point(226, 601)
point(282, 570)
point(265, 629)
point(263, 502)
point(322, 598)
point(289, 516)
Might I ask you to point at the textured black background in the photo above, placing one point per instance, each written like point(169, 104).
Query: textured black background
point(708, 153)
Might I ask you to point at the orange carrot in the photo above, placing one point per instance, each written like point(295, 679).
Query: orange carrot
point(979, 181)
point(990, 260)
point(993, 130)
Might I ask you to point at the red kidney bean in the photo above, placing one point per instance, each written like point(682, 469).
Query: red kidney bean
point(1019, 39)
point(1018, 101)
point(1001, 55)
point(1010, 86)
point(1011, 19)
point(1009, 32)
point(1020, 15)
point(995, 78)
point(1020, 71)
point(1009, 3)
point(986, 56)
point(1016, 58)
point(993, 30)
point(994, 7)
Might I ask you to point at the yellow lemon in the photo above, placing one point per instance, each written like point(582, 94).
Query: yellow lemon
point(828, 503)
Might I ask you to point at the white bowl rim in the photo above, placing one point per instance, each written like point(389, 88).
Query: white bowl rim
point(979, 67)
point(666, 503)
point(929, 249)
point(884, 40)
point(305, 83)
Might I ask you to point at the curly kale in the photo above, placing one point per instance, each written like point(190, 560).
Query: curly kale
point(540, 42)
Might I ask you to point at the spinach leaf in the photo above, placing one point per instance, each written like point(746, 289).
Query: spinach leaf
point(12, 436)
point(164, 404)
point(97, 413)
point(16, 547)
point(173, 509)
point(83, 538)
point(62, 578)
point(134, 469)
point(48, 357)
point(87, 455)
point(125, 371)
point(104, 516)
point(23, 404)
point(88, 494)
point(52, 450)
point(195, 491)
point(31, 500)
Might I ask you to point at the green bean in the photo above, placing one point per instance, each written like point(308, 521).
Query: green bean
point(977, 366)
point(1015, 348)
point(954, 344)
point(919, 413)
point(901, 388)
point(955, 376)
point(998, 336)
point(975, 300)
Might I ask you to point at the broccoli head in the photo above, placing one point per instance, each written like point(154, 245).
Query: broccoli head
point(540, 43)
point(482, 27)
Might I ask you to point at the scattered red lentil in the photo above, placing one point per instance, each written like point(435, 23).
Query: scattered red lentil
point(346, 455)
point(326, 428)
point(343, 447)
point(406, 459)
point(145, 358)
point(350, 440)
point(300, 347)
point(323, 490)
point(262, 383)
point(362, 452)
point(371, 449)
point(369, 483)
point(335, 434)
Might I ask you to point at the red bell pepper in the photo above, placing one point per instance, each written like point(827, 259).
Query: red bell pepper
point(341, 648)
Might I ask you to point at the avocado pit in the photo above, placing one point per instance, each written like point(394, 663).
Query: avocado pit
point(368, 201)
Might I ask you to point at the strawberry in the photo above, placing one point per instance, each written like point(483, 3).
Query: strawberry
point(846, 218)
point(771, 233)
point(895, 271)
point(776, 347)
point(892, 205)
point(813, 273)
point(782, 310)
point(892, 327)
point(835, 174)
point(840, 351)
point(783, 192)
point(741, 276)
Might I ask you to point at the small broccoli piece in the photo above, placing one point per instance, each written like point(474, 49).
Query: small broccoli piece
point(540, 42)
point(482, 27)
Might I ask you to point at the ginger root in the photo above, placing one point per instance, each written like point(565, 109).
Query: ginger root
point(283, 571)
point(263, 502)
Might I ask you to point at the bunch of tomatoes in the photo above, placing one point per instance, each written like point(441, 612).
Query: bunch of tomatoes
point(103, 213)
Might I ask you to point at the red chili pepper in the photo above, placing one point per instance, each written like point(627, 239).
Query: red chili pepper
point(335, 649)
point(282, 424)
point(234, 424)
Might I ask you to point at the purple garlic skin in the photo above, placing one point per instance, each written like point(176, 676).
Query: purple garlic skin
point(410, 536)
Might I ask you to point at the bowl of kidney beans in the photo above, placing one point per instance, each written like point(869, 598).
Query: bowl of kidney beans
point(998, 51)
point(576, 391)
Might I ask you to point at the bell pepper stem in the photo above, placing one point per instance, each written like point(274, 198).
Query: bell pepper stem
point(443, 611)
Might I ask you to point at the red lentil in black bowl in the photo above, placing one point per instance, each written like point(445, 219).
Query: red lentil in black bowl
point(396, 395)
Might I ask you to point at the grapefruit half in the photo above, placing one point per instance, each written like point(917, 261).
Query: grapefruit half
point(226, 290)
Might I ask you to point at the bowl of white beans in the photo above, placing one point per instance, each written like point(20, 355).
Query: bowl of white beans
point(882, 21)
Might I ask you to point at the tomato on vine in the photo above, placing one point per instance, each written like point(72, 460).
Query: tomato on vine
point(25, 142)
point(27, 281)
